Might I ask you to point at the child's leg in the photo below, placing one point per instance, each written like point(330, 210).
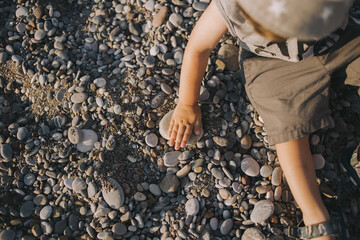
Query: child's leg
point(297, 164)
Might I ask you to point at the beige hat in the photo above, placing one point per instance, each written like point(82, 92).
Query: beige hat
point(303, 19)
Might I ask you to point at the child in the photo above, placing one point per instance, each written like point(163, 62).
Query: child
point(287, 83)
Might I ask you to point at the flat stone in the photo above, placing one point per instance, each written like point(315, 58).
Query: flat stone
point(78, 185)
point(78, 97)
point(74, 135)
point(253, 234)
point(89, 138)
point(250, 167)
point(169, 184)
point(192, 207)
point(166, 88)
point(160, 16)
point(246, 142)
point(319, 161)
point(29, 179)
point(119, 229)
point(155, 189)
point(229, 54)
point(45, 212)
point(217, 173)
point(186, 155)
point(68, 183)
point(101, 212)
point(276, 176)
point(164, 129)
point(26, 209)
point(6, 151)
point(21, 133)
point(91, 190)
point(151, 140)
point(226, 226)
point(266, 171)
point(7, 235)
point(21, 27)
point(37, 12)
point(221, 141)
point(150, 5)
point(139, 196)
point(262, 211)
point(115, 196)
point(183, 171)
point(157, 100)
point(171, 158)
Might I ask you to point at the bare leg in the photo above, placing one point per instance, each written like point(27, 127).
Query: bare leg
point(297, 164)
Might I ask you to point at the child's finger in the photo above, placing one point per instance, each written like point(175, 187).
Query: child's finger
point(174, 134)
point(180, 135)
point(171, 127)
point(187, 135)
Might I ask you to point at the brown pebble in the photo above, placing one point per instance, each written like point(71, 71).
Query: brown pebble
point(160, 16)
point(37, 12)
point(245, 180)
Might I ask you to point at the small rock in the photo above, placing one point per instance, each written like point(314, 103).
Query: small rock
point(74, 135)
point(7, 235)
point(183, 171)
point(138, 196)
point(160, 16)
point(262, 211)
point(171, 158)
point(221, 141)
point(3, 57)
point(253, 234)
point(266, 171)
point(26, 209)
point(89, 138)
point(46, 228)
point(250, 167)
point(169, 184)
point(192, 207)
point(218, 174)
point(78, 97)
point(151, 140)
point(176, 19)
point(276, 176)
point(319, 161)
point(78, 185)
point(6, 151)
point(214, 223)
point(186, 155)
point(229, 54)
point(155, 189)
point(45, 212)
point(100, 82)
point(119, 229)
point(29, 179)
point(40, 34)
point(226, 226)
point(157, 100)
point(21, 11)
point(246, 142)
point(114, 197)
point(37, 13)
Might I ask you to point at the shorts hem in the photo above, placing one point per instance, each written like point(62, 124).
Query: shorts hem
point(300, 132)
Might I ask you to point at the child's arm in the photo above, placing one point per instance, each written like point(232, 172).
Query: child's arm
point(204, 37)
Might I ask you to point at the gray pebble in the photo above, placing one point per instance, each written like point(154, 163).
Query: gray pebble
point(226, 226)
point(6, 151)
point(100, 82)
point(276, 176)
point(176, 19)
point(74, 135)
point(119, 229)
point(169, 184)
point(78, 97)
point(157, 100)
point(266, 171)
point(217, 173)
point(46, 228)
point(45, 212)
point(88, 139)
point(151, 140)
point(155, 189)
point(26, 209)
point(29, 179)
point(192, 207)
point(78, 185)
point(214, 223)
point(253, 234)
point(171, 158)
point(250, 167)
point(40, 34)
point(115, 196)
point(68, 183)
point(262, 211)
point(3, 57)
point(7, 235)
point(21, 11)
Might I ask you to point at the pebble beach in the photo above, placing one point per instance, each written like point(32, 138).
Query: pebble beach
point(86, 93)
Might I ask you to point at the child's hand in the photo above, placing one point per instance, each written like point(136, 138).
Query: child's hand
point(185, 118)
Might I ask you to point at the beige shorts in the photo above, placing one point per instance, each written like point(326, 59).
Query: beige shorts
point(293, 98)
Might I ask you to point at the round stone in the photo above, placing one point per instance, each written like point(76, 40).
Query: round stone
point(319, 161)
point(246, 142)
point(21, 27)
point(183, 171)
point(138, 196)
point(100, 82)
point(119, 228)
point(29, 179)
point(7, 235)
point(276, 176)
point(40, 200)
point(262, 211)
point(21, 133)
point(214, 223)
point(253, 234)
point(74, 135)
point(45, 212)
point(40, 34)
point(164, 129)
point(115, 196)
point(186, 155)
point(176, 19)
point(192, 207)
point(78, 97)
point(46, 228)
point(151, 140)
point(6, 151)
point(171, 158)
point(89, 138)
point(217, 173)
point(169, 184)
point(226, 226)
point(78, 185)
point(266, 171)
point(21, 11)
point(155, 189)
point(250, 167)
point(68, 183)
point(160, 16)
point(26, 209)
